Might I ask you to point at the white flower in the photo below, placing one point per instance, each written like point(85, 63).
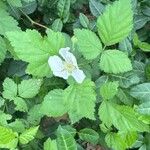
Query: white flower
point(67, 67)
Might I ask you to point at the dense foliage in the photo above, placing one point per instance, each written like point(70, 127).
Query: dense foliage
point(110, 109)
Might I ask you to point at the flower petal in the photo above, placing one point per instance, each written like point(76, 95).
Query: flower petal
point(68, 57)
point(57, 67)
point(78, 75)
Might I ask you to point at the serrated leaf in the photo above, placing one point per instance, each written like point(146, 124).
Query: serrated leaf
point(77, 96)
point(142, 45)
point(29, 88)
point(20, 104)
point(139, 21)
point(34, 115)
point(70, 129)
point(15, 3)
point(127, 79)
point(8, 138)
point(63, 8)
point(121, 140)
point(55, 100)
point(144, 108)
point(7, 23)
point(84, 20)
point(124, 118)
point(65, 140)
point(91, 47)
point(109, 90)
point(57, 25)
point(89, 135)
point(28, 135)
point(9, 89)
point(17, 126)
point(96, 7)
point(36, 53)
point(2, 101)
point(50, 144)
point(141, 92)
point(114, 61)
point(4, 118)
point(113, 29)
point(2, 50)
point(124, 97)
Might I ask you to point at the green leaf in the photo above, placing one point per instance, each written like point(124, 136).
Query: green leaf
point(141, 92)
point(113, 29)
point(142, 45)
point(109, 90)
point(80, 101)
point(121, 140)
point(7, 23)
point(65, 140)
point(140, 21)
point(20, 104)
point(91, 47)
point(2, 50)
point(124, 97)
point(96, 7)
point(4, 118)
point(8, 138)
point(126, 46)
point(89, 135)
point(17, 126)
point(70, 129)
point(15, 3)
point(84, 20)
point(50, 144)
point(144, 108)
point(55, 100)
point(127, 79)
point(34, 115)
point(124, 118)
point(28, 135)
point(57, 25)
point(63, 8)
point(10, 89)
point(2, 101)
point(36, 53)
point(114, 61)
point(29, 88)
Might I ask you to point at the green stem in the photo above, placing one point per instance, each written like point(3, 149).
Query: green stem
point(32, 21)
point(104, 47)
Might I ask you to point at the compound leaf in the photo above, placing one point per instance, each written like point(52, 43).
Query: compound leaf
point(36, 53)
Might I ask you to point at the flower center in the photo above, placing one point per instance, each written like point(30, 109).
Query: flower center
point(69, 67)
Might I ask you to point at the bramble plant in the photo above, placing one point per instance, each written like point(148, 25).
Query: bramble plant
point(74, 74)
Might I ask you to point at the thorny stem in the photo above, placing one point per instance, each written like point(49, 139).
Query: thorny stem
point(32, 21)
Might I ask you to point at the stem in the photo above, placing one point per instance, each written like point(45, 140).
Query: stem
point(32, 21)
point(104, 47)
